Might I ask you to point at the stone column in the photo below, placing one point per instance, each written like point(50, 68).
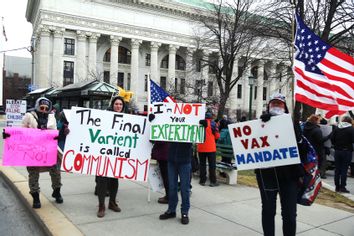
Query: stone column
point(80, 57)
point(92, 70)
point(260, 83)
point(246, 89)
point(154, 61)
point(171, 65)
point(113, 72)
point(137, 86)
point(43, 73)
point(57, 71)
point(273, 79)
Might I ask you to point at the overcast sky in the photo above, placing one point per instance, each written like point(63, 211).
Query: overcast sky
point(18, 30)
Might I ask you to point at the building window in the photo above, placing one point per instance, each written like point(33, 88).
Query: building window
point(264, 93)
point(210, 88)
point(69, 46)
point(239, 91)
point(68, 73)
point(128, 81)
point(145, 107)
point(120, 81)
point(147, 59)
point(180, 63)
point(146, 83)
point(240, 70)
point(198, 65)
point(198, 87)
point(213, 64)
point(254, 72)
point(164, 62)
point(124, 55)
point(107, 56)
point(163, 82)
point(176, 85)
point(183, 86)
point(106, 76)
point(255, 92)
point(265, 74)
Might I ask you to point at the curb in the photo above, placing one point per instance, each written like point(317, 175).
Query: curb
point(332, 188)
point(50, 218)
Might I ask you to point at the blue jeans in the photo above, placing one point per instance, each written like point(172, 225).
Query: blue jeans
point(183, 170)
point(342, 161)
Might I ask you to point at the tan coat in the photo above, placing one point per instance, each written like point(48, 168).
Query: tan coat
point(30, 122)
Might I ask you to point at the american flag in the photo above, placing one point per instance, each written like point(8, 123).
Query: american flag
point(324, 76)
point(157, 94)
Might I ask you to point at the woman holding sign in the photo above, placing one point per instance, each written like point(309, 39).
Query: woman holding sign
point(282, 180)
point(106, 183)
point(41, 118)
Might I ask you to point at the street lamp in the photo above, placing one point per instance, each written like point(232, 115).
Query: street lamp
point(250, 83)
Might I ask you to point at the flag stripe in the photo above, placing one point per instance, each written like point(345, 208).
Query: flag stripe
point(314, 103)
point(343, 59)
point(323, 84)
point(336, 68)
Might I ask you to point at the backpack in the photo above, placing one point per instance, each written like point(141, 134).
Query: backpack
point(311, 183)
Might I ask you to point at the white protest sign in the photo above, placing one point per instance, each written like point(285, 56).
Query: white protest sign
point(155, 178)
point(258, 144)
point(15, 111)
point(107, 143)
point(177, 122)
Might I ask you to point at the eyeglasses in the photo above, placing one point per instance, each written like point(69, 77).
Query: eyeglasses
point(43, 108)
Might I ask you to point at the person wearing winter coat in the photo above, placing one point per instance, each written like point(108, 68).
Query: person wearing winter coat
point(107, 183)
point(41, 118)
point(343, 140)
point(313, 133)
point(282, 180)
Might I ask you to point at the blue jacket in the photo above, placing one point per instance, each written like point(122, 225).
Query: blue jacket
point(180, 152)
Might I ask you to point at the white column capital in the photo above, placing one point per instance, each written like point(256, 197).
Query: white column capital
point(44, 30)
point(155, 45)
point(58, 32)
point(172, 48)
point(115, 40)
point(93, 37)
point(135, 43)
point(81, 35)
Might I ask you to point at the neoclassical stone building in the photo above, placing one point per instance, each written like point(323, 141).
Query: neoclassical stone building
point(122, 42)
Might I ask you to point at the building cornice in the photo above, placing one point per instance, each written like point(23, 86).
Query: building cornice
point(112, 28)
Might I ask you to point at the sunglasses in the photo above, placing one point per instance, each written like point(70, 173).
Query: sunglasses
point(43, 108)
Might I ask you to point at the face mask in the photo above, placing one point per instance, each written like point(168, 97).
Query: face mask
point(275, 111)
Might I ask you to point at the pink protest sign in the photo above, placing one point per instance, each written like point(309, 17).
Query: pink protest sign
point(30, 147)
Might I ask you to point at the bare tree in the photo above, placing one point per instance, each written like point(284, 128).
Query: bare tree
point(228, 29)
point(331, 20)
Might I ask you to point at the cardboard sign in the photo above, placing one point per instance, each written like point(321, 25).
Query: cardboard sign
point(30, 147)
point(260, 145)
point(177, 122)
point(15, 111)
point(155, 178)
point(106, 143)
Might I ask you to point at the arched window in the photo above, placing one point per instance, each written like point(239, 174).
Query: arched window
point(124, 55)
point(180, 63)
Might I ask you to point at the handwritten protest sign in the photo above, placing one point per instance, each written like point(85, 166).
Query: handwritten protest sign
point(106, 143)
point(259, 145)
point(155, 178)
point(30, 147)
point(15, 111)
point(177, 122)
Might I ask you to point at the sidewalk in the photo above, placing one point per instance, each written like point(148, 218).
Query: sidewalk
point(224, 210)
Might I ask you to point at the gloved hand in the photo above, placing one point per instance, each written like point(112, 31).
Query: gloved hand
point(5, 135)
point(66, 129)
point(266, 117)
point(56, 138)
point(151, 117)
point(204, 123)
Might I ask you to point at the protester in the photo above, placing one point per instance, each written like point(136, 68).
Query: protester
point(179, 165)
point(313, 133)
point(41, 118)
point(159, 153)
point(224, 137)
point(62, 125)
point(343, 140)
point(207, 150)
point(282, 180)
point(107, 183)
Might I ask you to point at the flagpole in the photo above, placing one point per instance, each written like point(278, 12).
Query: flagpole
point(293, 4)
point(149, 93)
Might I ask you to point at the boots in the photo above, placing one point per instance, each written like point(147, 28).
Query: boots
point(101, 209)
point(36, 201)
point(114, 206)
point(56, 194)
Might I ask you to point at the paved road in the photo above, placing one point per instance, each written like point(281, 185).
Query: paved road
point(15, 219)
